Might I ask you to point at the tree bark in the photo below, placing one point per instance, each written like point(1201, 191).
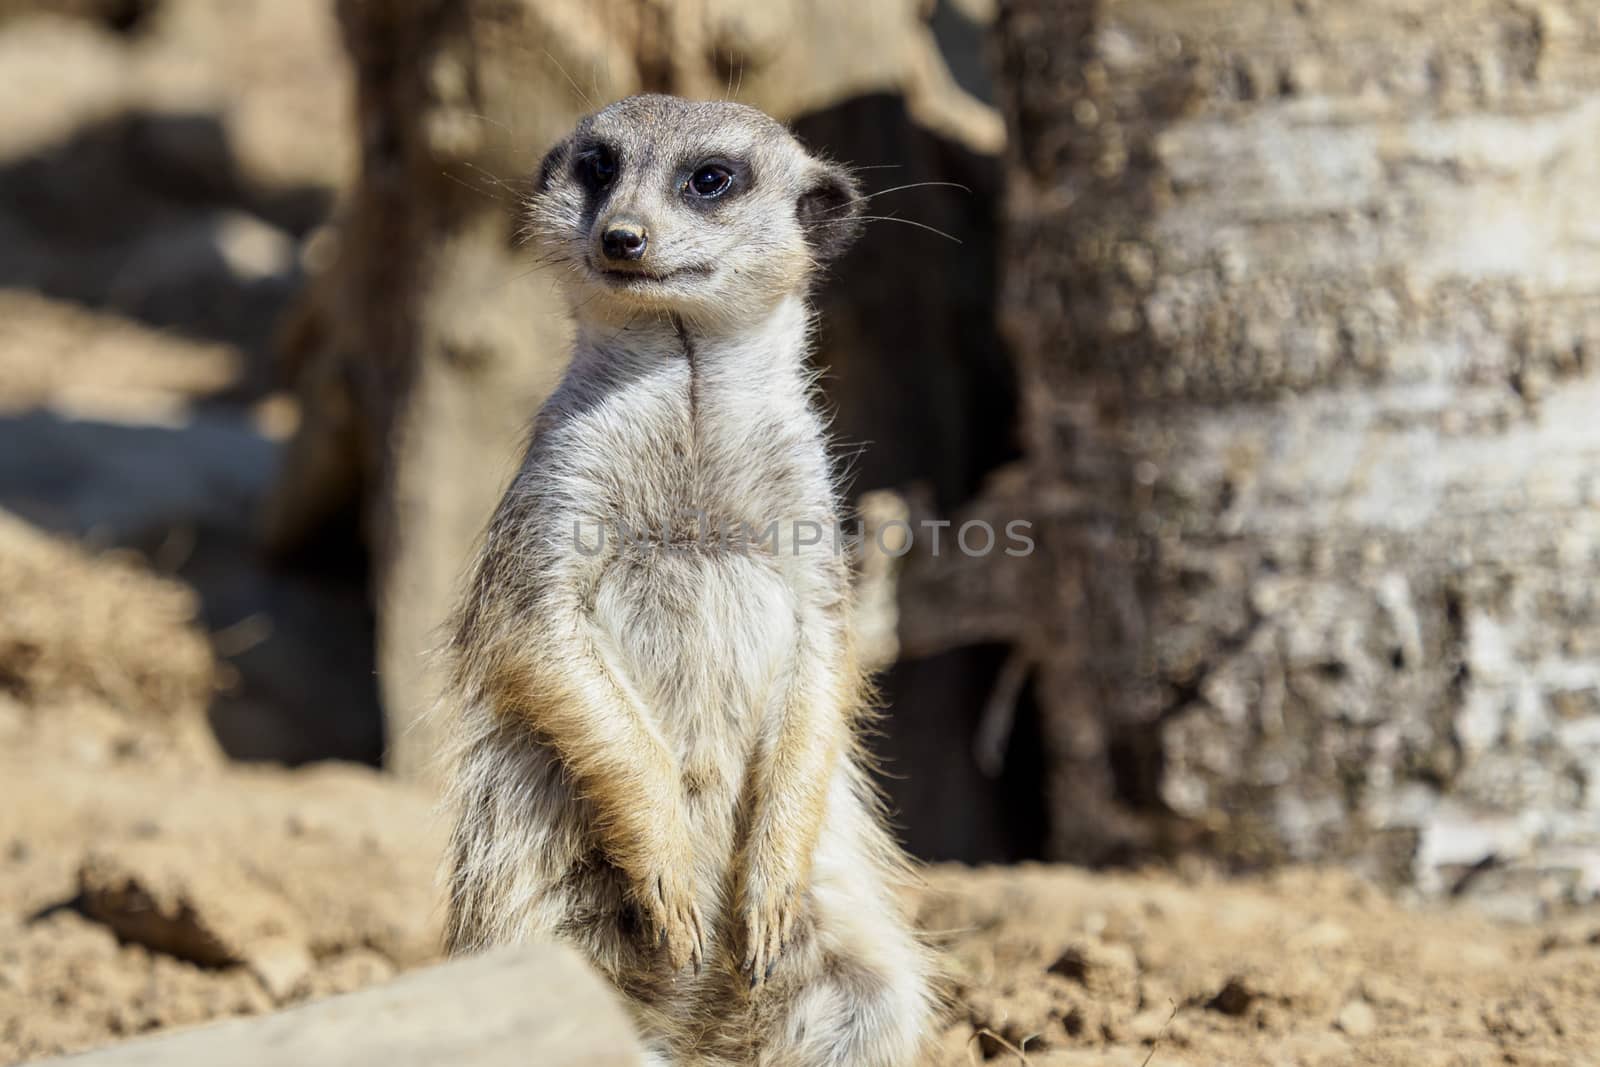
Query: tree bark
point(1305, 299)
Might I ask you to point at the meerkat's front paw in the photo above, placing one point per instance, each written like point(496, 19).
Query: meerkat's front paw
point(672, 913)
point(770, 918)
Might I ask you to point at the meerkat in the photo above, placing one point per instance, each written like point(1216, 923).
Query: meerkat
point(655, 730)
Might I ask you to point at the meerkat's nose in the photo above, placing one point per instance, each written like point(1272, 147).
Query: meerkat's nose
point(624, 240)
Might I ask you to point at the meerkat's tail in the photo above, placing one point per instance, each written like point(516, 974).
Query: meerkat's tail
point(875, 1001)
point(858, 1020)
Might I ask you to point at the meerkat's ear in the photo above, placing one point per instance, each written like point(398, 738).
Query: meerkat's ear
point(830, 211)
point(553, 160)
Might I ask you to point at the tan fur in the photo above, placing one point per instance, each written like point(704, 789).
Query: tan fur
point(656, 757)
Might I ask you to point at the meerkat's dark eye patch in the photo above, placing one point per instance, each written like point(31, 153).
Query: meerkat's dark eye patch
point(597, 167)
point(714, 179)
point(553, 161)
point(829, 212)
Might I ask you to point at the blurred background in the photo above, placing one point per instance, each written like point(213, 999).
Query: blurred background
point(1279, 321)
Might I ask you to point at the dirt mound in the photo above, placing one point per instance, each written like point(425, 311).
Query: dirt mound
point(146, 882)
point(98, 656)
point(138, 897)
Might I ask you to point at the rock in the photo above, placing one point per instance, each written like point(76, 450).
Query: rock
point(205, 909)
point(533, 1005)
point(1382, 991)
point(1356, 1019)
point(1105, 970)
point(281, 964)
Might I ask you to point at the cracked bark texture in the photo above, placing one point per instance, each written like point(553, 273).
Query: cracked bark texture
point(1305, 298)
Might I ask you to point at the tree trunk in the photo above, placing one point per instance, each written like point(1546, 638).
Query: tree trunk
point(429, 343)
point(1305, 299)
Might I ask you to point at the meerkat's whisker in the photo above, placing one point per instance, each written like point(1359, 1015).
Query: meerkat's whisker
point(626, 323)
point(512, 186)
point(913, 185)
point(539, 264)
point(581, 94)
point(892, 218)
point(491, 121)
point(485, 193)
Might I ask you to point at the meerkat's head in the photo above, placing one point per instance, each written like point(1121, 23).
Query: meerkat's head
point(709, 211)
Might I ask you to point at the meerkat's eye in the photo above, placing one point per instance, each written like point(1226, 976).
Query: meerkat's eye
point(597, 168)
point(709, 181)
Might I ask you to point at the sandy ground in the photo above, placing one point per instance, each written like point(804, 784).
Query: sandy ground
point(146, 882)
point(1304, 967)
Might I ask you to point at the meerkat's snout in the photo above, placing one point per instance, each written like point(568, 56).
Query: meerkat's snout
point(623, 240)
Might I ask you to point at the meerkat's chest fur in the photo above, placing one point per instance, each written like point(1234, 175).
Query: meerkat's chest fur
point(693, 487)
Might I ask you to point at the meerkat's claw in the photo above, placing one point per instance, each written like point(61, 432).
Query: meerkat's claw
point(769, 930)
point(697, 947)
point(680, 931)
